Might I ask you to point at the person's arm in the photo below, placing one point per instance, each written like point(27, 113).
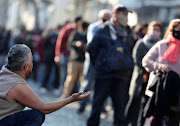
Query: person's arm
point(93, 48)
point(149, 60)
point(23, 94)
point(58, 45)
point(138, 53)
point(76, 42)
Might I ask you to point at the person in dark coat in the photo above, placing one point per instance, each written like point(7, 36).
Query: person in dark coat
point(138, 83)
point(110, 81)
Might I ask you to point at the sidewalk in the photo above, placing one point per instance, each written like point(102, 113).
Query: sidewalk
point(66, 116)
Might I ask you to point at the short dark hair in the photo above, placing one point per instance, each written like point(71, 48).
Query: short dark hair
point(120, 8)
point(18, 56)
point(79, 18)
point(85, 25)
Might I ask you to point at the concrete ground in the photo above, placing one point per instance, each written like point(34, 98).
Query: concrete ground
point(68, 115)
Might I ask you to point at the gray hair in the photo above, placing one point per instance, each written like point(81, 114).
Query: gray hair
point(103, 12)
point(18, 56)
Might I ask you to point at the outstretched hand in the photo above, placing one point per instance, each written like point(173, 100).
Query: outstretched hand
point(80, 96)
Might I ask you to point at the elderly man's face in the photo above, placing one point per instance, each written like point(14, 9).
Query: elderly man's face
point(30, 67)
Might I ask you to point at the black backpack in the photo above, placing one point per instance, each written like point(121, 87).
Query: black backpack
point(116, 57)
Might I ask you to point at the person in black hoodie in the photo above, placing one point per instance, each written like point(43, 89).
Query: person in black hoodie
point(49, 53)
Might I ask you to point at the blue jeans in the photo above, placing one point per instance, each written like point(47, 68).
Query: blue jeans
point(63, 61)
point(40, 76)
point(24, 118)
point(117, 89)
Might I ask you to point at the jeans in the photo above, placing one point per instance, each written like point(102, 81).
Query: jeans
point(40, 73)
point(117, 90)
point(3, 60)
point(64, 62)
point(24, 118)
point(48, 71)
point(88, 81)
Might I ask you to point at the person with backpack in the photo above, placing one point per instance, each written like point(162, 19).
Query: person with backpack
point(113, 63)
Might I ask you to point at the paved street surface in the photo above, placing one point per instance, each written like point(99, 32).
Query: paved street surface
point(66, 116)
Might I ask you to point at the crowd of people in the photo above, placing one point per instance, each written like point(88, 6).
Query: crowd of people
point(136, 67)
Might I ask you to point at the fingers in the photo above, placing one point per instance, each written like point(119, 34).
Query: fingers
point(78, 43)
point(80, 96)
point(79, 93)
point(165, 68)
point(85, 95)
point(56, 59)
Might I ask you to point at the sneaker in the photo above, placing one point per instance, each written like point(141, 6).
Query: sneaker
point(43, 90)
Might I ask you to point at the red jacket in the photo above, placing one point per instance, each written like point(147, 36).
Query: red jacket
point(62, 40)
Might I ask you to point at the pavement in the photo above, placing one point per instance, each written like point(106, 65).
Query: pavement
point(67, 116)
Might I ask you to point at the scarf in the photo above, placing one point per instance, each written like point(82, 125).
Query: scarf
point(148, 42)
point(118, 30)
point(172, 53)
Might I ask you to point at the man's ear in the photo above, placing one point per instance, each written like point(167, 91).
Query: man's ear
point(115, 14)
point(26, 67)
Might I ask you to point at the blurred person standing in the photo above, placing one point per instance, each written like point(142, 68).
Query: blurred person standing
point(62, 51)
point(20, 38)
point(5, 36)
point(51, 68)
point(77, 42)
point(112, 61)
point(139, 31)
point(163, 63)
point(138, 83)
point(88, 72)
point(39, 56)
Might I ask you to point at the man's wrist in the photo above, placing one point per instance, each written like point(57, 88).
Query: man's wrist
point(73, 99)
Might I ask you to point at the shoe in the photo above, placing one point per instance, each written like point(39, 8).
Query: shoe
point(81, 110)
point(43, 90)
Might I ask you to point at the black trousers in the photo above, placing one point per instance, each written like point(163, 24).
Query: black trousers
point(48, 70)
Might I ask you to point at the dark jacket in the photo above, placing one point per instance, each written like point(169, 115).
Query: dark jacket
point(77, 53)
point(98, 49)
point(137, 83)
point(166, 88)
point(49, 47)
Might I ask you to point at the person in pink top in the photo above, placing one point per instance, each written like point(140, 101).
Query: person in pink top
point(164, 56)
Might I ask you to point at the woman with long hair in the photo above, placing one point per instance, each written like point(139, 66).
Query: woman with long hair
point(164, 57)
